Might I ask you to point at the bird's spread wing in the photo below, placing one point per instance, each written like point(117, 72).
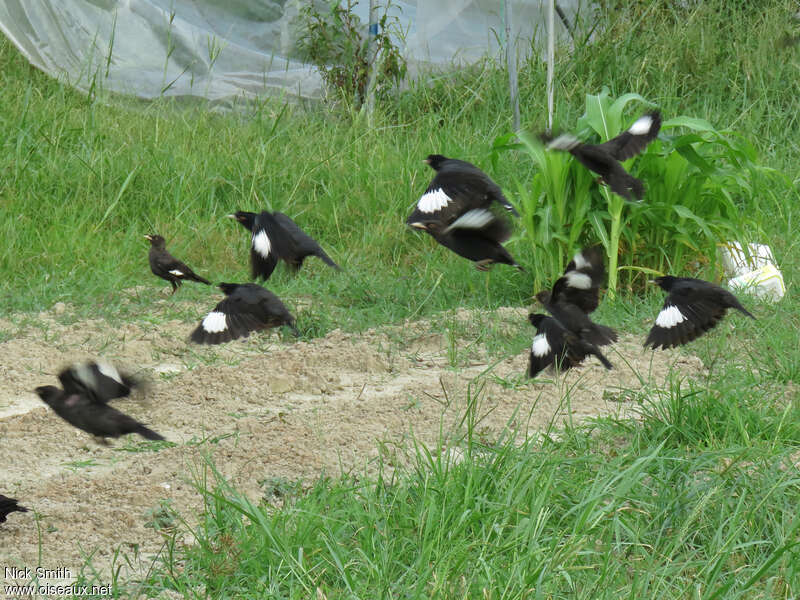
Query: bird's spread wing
point(683, 318)
point(482, 222)
point(635, 139)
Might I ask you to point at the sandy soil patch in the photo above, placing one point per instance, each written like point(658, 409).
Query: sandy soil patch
point(260, 408)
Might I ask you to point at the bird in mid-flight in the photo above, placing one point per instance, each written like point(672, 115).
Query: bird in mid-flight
point(569, 335)
point(83, 401)
point(605, 159)
point(691, 308)
point(247, 307)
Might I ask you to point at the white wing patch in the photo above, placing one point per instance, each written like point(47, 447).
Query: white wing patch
point(433, 201)
point(580, 281)
point(669, 317)
point(109, 370)
point(85, 374)
point(215, 322)
point(580, 261)
point(642, 125)
point(261, 243)
point(563, 142)
point(473, 219)
point(540, 346)
point(177, 273)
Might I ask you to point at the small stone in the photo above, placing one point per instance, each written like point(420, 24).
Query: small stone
point(59, 308)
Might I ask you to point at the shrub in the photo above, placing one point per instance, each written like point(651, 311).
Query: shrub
point(335, 43)
point(703, 186)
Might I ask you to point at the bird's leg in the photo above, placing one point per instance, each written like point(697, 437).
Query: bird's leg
point(484, 265)
point(174, 287)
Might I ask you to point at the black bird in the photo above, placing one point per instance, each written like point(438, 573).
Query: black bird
point(277, 237)
point(83, 403)
point(604, 159)
point(7, 506)
point(556, 345)
point(476, 235)
point(166, 266)
point(692, 307)
point(247, 307)
point(100, 380)
point(457, 188)
point(573, 297)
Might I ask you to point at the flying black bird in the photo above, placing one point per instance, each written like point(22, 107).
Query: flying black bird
point(99, 380)
point(574, 295)
point(556, 345)
point(247, 307)
point(166, 266)
point(457, 188)
point(7, 506)
point(604, 159)
point(83, 402)
point(476, 235)
point(692, 307)
point(276, 237)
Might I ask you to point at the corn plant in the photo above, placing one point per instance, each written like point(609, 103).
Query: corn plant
point(702, 187)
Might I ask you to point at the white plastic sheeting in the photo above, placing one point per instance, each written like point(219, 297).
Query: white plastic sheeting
point(224, 50)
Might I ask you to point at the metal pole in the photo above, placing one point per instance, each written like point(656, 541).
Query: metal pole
point(511, 58)
point(372, 51)
point(551, 59)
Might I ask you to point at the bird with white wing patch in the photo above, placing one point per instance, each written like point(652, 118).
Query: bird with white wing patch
point(166, 266)
point(691, 308)
point(605, 159)
point(247, 307)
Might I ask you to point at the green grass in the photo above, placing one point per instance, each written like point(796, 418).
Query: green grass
point(697, 498)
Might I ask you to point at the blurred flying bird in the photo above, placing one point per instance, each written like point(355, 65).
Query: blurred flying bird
point(692, 307)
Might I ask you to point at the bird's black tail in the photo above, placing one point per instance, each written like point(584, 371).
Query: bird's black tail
point(603, 359)
point(196, 277)
point(149, 434)
point(327, 260)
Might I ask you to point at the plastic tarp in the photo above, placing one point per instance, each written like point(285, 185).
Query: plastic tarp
point(231, 50)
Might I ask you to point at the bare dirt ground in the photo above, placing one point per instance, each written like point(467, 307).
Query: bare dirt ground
point(260, 408)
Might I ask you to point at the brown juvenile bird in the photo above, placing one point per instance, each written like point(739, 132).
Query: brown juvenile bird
point(7, 506)
point(166, 266)
point(83, 401)
point(605, 159)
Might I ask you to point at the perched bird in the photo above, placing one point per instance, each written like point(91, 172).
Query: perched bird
point(692, 307)
point(7, 506)
point(476, 235)
point(604, 159)
point(553, 344)
point(276, 237)
point(166, 266)
point(457, 188)
point(247, 307)
point(570, 332)
point(83, 401)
